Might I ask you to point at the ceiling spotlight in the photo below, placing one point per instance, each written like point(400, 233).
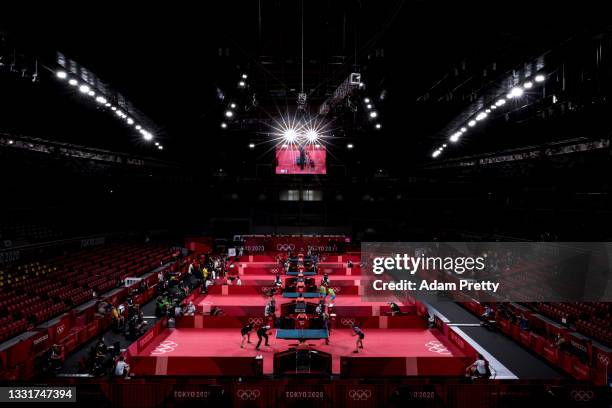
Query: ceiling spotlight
point(369, 106)
point(493, 106)
point(540, 78)
point(455, 137)
point(528, 85)
point(312, 135)
point(138, 127)
point(73, 82)
point(229, 113)
point(463, 129)
point(350, 146)
point(156, 143)
point(515, 92)
point(160, 147)
point(290, 135)
point(472, 123)
point(251, 145)
point(101, 99)
point(373, 114)
point(84, 88)
point(500, 102)
point(378, 126)
point(366, 100)
point(244, 76)
point(107, 104)
point(114, 108)
point(242, 84)
point(223, 125)
point(91, 93)
point(444, 145)
point(233, 105)
point(435, 154)
point(61, 74)
point(488, 111)
point(11, 141)
point(130, 121)
point(147, 135)
point(481, 116)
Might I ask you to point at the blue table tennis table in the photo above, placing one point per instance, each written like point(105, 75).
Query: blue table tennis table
point(296, 273)
point(301, 334)
point(306, 295)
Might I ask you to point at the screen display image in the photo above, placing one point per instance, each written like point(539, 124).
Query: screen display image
point(301, 159)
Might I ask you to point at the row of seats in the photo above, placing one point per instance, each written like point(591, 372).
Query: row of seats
point(592, 319)
point(38, 291)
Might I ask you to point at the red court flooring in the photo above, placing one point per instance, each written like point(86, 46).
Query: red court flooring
point(409, 343)
point(243, 305)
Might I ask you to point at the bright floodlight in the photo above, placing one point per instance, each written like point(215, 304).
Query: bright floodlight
point(251, 145)
point(156, 143)
point(61, 74)
point(130, 121)
point(350, 146)
point(223, 125)
point(242, 84)
point(528, 85)
point(101, 99)
point(290, 135)
point(472, 123)
point(114, 108)
point(455, 137)
point(147, 135)
point(540, 78)
point(493, 106)
point(84, 88)
point(366, 100)
point(138, 127)
point(463, 129)
point(500, 102)
point(160, 147)
point(312, 135)
point(378, 126)
point(369, 106)
point(515, 92)
point(481, 116)
point(73, 82)
point(435, 154)
point(233, 105)
point(373, 114)
point(488, 111)
point(244, 76)
point(91, 93)
point(229, 113)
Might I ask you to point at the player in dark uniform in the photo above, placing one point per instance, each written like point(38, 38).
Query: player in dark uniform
point(395, 309)
point(262, 333)
point(360, 336)
point(246, 333)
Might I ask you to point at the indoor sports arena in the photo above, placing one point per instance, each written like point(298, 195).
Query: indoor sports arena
point(298, 204)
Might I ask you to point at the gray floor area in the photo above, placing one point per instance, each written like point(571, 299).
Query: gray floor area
point(523, 363)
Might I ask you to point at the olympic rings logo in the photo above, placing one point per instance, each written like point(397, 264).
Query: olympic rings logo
point(582, 395)
point(248, 395)
point(256, 320)
point(347, 321)
point(435, 346)
point(285, 247)
point(166, 346)
point(360, 395)
point(603, 359)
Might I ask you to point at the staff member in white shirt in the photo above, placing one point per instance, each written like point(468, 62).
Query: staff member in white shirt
point(122, 369)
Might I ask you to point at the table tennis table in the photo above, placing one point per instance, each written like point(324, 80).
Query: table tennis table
point(301, 334)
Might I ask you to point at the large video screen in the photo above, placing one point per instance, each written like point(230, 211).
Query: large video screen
point(301, 159)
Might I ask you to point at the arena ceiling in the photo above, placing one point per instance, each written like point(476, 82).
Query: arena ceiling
point(181, 66)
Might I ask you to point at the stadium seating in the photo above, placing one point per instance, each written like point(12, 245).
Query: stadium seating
point(34, 292)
